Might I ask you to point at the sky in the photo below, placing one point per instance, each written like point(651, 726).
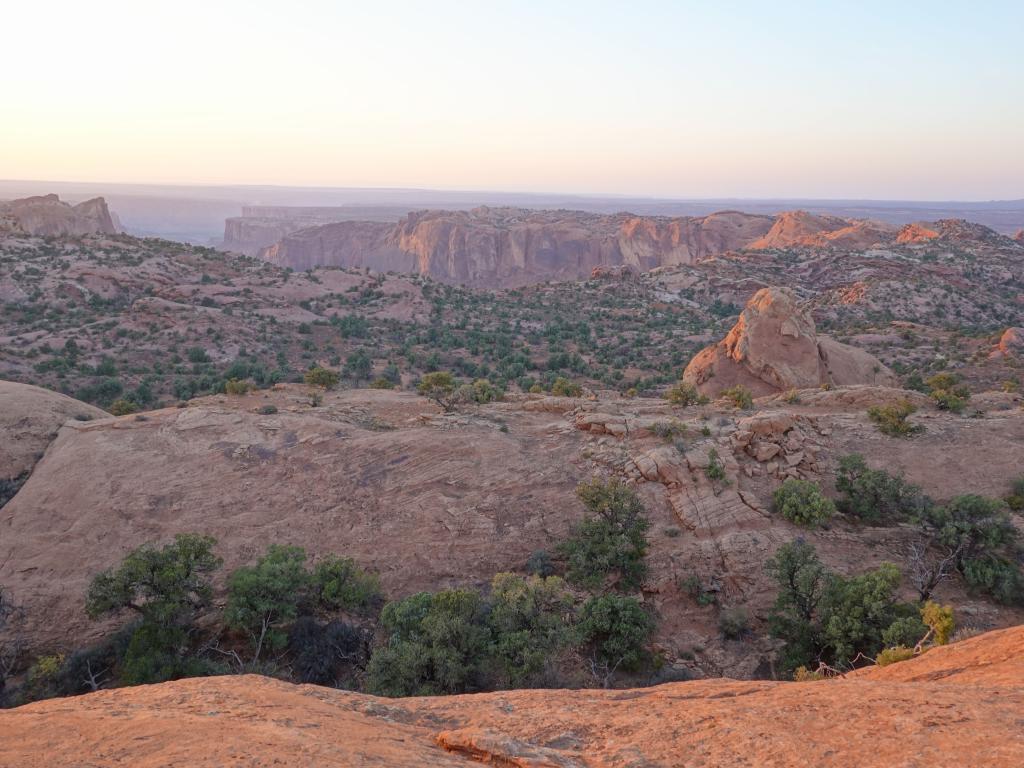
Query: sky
point(882, 100)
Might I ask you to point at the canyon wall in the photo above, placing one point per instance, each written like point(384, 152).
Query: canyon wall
point(511, 247)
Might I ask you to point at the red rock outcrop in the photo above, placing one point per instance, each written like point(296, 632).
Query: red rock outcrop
point(800, 228)
point(774, 347)
point(1011, 343)
point(48, 215)
point(953, 231)
point(953, 706)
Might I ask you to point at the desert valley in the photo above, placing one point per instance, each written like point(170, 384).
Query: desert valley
point(533, 384)
point(504, 449)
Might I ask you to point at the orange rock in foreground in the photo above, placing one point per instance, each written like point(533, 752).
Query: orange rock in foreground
point(956, 706)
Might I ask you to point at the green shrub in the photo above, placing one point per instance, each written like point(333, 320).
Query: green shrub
point(485, 392)
point(439, 387)
point(610, 540)
point(321, 377)
point(739, 396)
point(895, 654)
point(339, 584)
point(1015, 500)
point(803, 675)
point(435, 644)
point(947, 392)
point(122, 407)
point(539, 564)
point(715, 470)
point(875, 495)
point(618, 629)
point(824, 617)
point(265, 597)
point(892, 419)
point(939, 620)
point(733, 623)
point(564, 388)
point(531, 623)
point(237, 386)
point(683, 394)
point(802, 502)
point(694, 587)
point(980, 533)
point(667, 430)
point(166, 587)
point(163, 585)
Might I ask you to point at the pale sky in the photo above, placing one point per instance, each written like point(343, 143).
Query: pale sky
point(897, 99)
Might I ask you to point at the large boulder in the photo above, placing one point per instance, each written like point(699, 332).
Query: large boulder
point(774, 347)
point(29, 420)
point(1011, 343)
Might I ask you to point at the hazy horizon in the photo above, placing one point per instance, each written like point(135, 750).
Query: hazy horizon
point(915, 101)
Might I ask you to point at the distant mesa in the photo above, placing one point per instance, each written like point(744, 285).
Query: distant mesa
point(775, 347)
point(510, 247)
point(48, 215)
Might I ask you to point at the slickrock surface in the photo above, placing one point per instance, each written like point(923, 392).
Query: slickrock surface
point(433, 500)
point(954, 706)
point(29, 419)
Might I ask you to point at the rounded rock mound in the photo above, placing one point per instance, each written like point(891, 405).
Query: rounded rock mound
point(774, 347)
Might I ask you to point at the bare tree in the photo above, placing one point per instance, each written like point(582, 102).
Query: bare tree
point(930, 565)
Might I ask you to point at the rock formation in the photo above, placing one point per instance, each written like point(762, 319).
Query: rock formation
point(508, 247)
point(1011, 343)
point(952, 231)
point(48, 215)
point(774, 347)
point(800, 228)
point(955, 705)
point(341, 244)
point(512, 247)
point(29, 420)
point(261, 226)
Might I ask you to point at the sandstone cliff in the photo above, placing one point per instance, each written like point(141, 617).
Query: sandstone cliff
point(956, 705)
point(508, 247)
point(774, 347)
point(48, 215)
point(512, 247)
